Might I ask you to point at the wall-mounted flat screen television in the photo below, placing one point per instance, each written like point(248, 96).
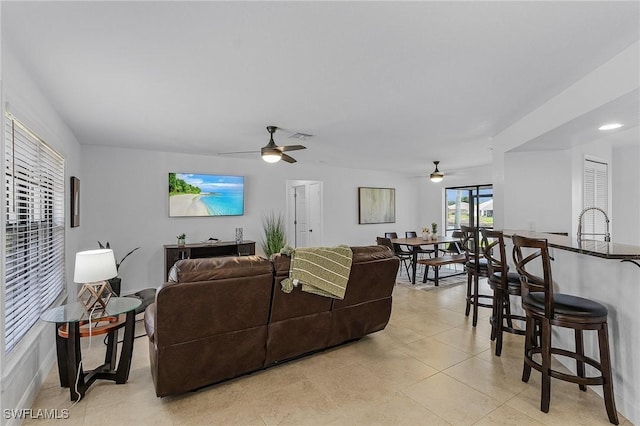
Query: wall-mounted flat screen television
point(205, 195)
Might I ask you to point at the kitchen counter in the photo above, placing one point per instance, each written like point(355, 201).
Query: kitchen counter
point(589, 247)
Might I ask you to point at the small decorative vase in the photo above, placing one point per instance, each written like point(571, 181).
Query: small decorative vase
point(239, 237)
point(181, 241)
point(426, 236)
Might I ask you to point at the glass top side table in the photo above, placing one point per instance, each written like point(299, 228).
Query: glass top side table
point(76, 311)
point(68, 319)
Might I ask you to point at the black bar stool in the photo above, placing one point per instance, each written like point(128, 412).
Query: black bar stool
point(476, 267)
point(504, 285)
point(546, 309)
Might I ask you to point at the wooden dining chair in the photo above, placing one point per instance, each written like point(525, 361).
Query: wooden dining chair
point(414, 234)
point(453, 248)
point(399, 249)
point(405, 258)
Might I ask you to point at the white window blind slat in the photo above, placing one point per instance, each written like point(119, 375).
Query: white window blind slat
point(34, 229)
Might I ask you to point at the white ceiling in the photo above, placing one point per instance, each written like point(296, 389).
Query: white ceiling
point(625, 109)
point(383, 85)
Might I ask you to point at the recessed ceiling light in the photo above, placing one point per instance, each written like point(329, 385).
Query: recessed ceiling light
point(610, 126)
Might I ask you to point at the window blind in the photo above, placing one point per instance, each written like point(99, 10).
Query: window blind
point(34, 225)
point(595, 194)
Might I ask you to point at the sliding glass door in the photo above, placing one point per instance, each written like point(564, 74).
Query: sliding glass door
point(470, 206)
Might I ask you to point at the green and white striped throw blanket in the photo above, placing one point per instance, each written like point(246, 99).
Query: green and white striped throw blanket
point(320, 270)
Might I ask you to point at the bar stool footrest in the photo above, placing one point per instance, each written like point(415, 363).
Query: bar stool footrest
point(572, 378)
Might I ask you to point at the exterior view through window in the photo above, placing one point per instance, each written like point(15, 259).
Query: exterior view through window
point(470, 206)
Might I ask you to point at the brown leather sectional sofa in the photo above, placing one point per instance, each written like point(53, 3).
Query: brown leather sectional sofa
point(228, 316)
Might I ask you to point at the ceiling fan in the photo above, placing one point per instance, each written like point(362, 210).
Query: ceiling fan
point(272, 153)
point(435, 176)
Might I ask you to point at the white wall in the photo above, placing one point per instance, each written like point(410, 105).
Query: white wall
point(124, 200)
point(538, 191)
point(625, 177)
point(23, 371)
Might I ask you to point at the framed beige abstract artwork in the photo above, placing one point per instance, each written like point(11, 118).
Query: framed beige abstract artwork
point(376, 205)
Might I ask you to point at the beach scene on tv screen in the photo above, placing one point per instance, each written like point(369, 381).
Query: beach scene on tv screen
point(193, 194)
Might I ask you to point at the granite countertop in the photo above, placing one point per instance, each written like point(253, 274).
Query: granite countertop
point(589, 247)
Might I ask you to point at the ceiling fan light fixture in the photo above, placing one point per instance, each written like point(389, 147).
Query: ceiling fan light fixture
point(437, 175)
point(271, 155)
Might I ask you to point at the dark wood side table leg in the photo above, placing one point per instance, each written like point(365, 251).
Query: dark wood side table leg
point(111, 353)
point(122, 374)
point(61, 352)
point(74, 357)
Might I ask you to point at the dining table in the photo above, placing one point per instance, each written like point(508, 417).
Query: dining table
point(416, 243)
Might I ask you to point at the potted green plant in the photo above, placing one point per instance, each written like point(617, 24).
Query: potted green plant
point(116, 282)
point(181, 239)
point(274, 238)
point(434, 230)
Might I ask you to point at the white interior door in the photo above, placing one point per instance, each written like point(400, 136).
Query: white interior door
point(300, 216)
point(304, 213)
point(315, 214)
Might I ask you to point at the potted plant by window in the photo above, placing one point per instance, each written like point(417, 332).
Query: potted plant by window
point(116, 282)
point(434, 230)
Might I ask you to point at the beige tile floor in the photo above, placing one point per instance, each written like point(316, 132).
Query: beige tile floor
point(428, 367)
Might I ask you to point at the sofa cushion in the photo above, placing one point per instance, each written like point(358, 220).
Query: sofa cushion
point(297, 336)
point(216, 268)
point(369, 253)
point(209, 303)
point(373, 276)
point(295, 304)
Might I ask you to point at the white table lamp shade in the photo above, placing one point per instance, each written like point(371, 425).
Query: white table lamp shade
point(94, 265)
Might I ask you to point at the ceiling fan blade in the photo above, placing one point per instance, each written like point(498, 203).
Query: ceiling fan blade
point(290, 148)
point(288, 158)
point(238, 152)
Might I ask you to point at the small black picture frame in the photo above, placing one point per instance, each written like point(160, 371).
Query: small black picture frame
point(75, 202)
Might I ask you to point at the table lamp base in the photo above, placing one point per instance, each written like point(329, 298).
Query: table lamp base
point(95, 295)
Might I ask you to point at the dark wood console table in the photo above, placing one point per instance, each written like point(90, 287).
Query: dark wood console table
point(175, 252)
